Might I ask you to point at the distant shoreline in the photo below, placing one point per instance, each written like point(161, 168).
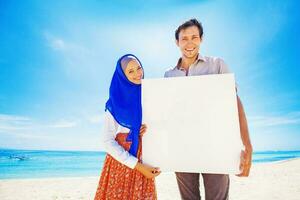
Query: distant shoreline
point(27, 164)
point(91, 177)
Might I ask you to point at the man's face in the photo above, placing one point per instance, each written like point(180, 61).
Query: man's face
point(189, 41)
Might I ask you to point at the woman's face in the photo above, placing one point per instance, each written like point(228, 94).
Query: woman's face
point(134, 72)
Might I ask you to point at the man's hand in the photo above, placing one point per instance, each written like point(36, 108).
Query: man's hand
point(245, 162)
point(143, 130)
point(147, 171)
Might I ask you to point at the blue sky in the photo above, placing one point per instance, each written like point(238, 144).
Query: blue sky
point(57, 59)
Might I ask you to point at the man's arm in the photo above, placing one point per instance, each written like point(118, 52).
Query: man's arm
point(246, 155)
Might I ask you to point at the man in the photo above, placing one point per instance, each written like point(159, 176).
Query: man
point(189, 38)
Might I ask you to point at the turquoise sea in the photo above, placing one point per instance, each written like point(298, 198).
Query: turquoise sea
point(39, 163)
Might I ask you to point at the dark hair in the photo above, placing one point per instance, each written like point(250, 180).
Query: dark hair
point(189, 23)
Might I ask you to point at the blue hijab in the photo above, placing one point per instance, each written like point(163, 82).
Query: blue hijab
point(125, 105)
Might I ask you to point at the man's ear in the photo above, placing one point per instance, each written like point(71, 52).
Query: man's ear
point(177, 42)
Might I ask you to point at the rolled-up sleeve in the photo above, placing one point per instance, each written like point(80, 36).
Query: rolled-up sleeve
point(224, 69)
point(166, 75)
point(111, 146)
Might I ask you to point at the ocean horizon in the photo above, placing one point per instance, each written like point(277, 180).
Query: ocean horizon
point(16, 164)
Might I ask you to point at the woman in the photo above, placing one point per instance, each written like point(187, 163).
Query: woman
point(124, 176)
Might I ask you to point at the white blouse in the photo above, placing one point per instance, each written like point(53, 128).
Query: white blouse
point(111, 146)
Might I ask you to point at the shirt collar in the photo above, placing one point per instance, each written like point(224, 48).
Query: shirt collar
point(199, 58)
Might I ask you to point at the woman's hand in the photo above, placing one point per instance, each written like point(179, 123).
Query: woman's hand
point(147, 171)
point(143, 130)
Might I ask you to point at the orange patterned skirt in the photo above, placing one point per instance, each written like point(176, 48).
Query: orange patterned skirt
point(119, 182)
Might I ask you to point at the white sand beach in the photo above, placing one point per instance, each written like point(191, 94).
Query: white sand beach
point(280, 180)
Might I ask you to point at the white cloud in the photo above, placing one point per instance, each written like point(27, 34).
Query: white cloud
point(58, 44)
point(78, 58)
point(20, 123)
point(63, 124)
point(55, 43)
point(292, 118)
point(96, 119)
point(4, 117)
point(14, 122)
point(29, 136)
point(9, 128)
point(87, 58)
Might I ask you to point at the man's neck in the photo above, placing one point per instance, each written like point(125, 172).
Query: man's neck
point(187, 62)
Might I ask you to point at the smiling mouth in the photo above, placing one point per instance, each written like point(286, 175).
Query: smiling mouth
point(190, 49)
point(138, 79)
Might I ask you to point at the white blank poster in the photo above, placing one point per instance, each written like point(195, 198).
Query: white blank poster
point(192, 124)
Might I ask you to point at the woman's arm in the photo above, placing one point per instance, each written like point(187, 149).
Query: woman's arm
point(111, 146)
